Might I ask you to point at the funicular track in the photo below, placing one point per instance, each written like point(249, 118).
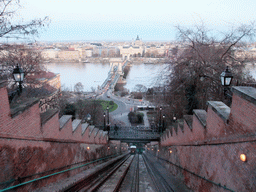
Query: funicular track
point(96, 180)
point(158, 179)
point(114, 177)
point(136, 178)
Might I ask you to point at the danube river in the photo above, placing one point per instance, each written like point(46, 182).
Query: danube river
point(93, 75)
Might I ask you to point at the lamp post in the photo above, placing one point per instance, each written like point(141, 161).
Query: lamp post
point(104, 115)
point(160, 120)
point(108, 113)
point(226, 79)
point(18, 75)
point(163, 123)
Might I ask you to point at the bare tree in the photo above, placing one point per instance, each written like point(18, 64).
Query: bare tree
point(9, 28)
point(92, 107)
point(30, 60)
point(78, 87)
point(195, 76)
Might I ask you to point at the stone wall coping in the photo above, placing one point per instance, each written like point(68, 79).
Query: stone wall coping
point(84, 127)
point(247, 93)
point(220, 108)
point(48, 115)
point(171, 131)
point(201, 116)
point(75, 124)
point(167, 132)
point(105, 133)
point(181, 124)
point(189, 120)
point(19, 108)
point(96, 131)
point(91, 128)
point(100, 133)
point(64, 119)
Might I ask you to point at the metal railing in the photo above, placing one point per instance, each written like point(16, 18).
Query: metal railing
point(141, 133)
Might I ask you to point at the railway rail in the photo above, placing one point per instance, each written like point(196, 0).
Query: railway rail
point(158, 179)
point(131, 173)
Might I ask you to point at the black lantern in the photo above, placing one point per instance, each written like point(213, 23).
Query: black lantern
point(226, 77)
point(18, 75)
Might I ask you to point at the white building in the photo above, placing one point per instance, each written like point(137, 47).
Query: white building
point(134, 49)
point(50, 53)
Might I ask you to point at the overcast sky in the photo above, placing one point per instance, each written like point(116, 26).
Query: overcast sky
point(124, 20)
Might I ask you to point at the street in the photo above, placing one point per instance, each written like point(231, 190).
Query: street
point(124, 106)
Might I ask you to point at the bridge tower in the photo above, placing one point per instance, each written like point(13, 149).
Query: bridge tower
point(114, 63)
point(126, 56)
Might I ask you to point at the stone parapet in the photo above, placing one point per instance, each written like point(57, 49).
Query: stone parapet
point(24, 120)
point(64, 119)
point(75, 124)
point(220, 108)
point(201, 116)
point(188, 119)
point(220, 121)
point(247, 93)
point(48, 115)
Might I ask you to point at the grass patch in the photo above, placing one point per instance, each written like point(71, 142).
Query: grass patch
point(112, 105)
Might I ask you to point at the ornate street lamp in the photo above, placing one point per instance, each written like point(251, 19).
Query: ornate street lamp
point(18, 75)
point(226, 79)
point(163, 123)
point(160, 119)
point(108, 113)
point(104, 115)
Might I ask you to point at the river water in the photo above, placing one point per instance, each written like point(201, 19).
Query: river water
point(90, 75)
point(93, 75)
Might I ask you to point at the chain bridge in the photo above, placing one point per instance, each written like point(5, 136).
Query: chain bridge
point(117, 66)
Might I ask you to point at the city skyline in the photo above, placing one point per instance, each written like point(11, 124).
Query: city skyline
point(123, 20)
